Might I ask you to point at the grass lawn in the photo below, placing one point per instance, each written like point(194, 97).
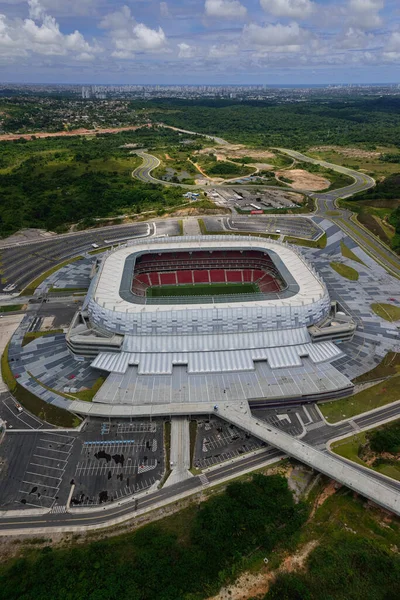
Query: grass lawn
point(11, 308)
point(378, 395)
point(202, 289)
point(347, 253)
point(320, 243)
point(33, 335)
point(43, 410)
point(390, 365)
point(350, 448)
point(345, 271)
point(30, 289)
point(389, 312)
point(56, 290)
point(89, 394)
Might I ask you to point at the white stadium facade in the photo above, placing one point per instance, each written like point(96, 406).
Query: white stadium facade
point(275, 343)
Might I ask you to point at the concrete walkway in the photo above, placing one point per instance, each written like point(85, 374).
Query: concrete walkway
point(191, 226)
point(329, 465)
point(180, 451)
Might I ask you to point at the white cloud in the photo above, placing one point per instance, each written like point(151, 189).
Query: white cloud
point(365, 13)
point(164, 10)
point(129, 37)
point(186, 51)
point(223, 50)
point(225, 9)
point(40, 34)
point(275, 35)
point(355, 39)
point(294, 9)
point(393, 43)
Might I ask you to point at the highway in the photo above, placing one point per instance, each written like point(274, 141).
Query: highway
point(80, 520)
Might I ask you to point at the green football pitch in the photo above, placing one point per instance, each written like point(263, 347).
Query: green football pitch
point(202, 289)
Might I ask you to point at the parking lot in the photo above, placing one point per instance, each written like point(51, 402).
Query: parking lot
point(117, 459)
point(258, 198)
point(302, 227)
point(35, 469)
point(15, 419)
point(217, 441)
point(105, 462)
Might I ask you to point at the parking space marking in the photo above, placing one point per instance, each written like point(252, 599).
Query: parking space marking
point(35, 484)
point(51, 458)
point(53, 450)
point(47, 467)
point(41, 475)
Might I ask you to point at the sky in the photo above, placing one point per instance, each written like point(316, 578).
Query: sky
point(200, 41)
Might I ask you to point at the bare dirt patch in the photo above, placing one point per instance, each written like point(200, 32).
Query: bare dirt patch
point(236, 151)
point(250, 586)
point(304, 180)
point(349, 152)
point(42, 134)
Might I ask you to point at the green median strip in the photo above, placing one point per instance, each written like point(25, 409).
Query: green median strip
point(345, 271)
point(347, 253)
point(371, 249)
point(389, 312)
point(319, 243)
point(30, 289)
point(373, 397)
point(11, 308)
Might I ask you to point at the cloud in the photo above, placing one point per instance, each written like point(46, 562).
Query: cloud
point(223, 50)
point(275, 35)
point(225, 9)
point(186, 51)
point(393, 43)
point(364, 14)
point(129, 37)
point(164, 9)
point(294, 9)
point(40, 34)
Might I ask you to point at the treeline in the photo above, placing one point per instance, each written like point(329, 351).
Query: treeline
point(388, 189)
point(259, 515)
point(386, 439)
point(50, 183)
point(344, 568)
point(298, 125)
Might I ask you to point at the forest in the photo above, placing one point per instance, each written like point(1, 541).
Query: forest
point(370, 122)
point(153, 563)
point(51, 183)
point(189, 555)
point(388, 189)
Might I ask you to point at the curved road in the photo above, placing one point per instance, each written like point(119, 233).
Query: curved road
point(76, 520)
point(325, 201)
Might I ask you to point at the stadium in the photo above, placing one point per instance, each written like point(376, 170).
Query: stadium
point(200, 319)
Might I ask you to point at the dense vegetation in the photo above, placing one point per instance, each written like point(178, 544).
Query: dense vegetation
point(388, 189)
point(153, 564)
point(298, 125)
point(49, 183)
point(386, 439)
point(345, 568)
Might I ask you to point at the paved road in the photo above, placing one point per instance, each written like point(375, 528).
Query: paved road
point(317, 437)
point(325, 201)
point(327, 207)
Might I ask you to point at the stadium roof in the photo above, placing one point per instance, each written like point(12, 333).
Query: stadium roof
point(107, 289)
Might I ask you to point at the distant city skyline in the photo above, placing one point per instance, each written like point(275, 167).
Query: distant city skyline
point(200, 42)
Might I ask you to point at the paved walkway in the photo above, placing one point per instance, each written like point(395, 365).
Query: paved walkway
point(329, 465)
point(180, 451)
point(191, 226)
point(8, 325)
